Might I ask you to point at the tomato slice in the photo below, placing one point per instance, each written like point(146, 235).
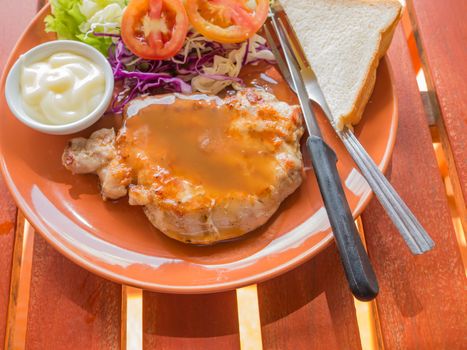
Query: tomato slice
point(227, 21)
point(154, 29)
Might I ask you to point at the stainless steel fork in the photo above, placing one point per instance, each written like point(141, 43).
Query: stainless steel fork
point(411, 230)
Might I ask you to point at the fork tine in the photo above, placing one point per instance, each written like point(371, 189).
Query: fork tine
point(279, 60)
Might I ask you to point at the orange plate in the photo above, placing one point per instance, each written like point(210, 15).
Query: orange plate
point(116, 240)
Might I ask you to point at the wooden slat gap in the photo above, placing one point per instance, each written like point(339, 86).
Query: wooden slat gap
point(133, 337)
point(249, 323)
point(14, 281)
point(19, 284)
point(367, 312)
point(419, 62)
point(456, 216)
point(123, 319)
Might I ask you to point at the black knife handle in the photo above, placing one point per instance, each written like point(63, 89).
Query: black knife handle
point(357, 266)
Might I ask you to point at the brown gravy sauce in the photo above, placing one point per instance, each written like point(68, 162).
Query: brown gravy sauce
point(194, 140)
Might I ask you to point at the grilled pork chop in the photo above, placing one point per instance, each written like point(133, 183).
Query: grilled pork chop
point(205, 169)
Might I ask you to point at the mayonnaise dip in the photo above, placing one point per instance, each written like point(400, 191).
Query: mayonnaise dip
point(62, 88)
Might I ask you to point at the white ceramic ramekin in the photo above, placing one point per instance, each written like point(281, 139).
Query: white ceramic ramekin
point(13, 88)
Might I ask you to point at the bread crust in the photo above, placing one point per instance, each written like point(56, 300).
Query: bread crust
point(367, 87)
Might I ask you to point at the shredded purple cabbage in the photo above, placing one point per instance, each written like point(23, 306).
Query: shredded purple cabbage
point(140, 76)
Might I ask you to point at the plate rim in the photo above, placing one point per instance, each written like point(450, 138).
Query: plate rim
point(195, 289)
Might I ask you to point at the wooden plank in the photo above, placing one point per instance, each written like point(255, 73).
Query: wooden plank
point(7, 237)
point(310, 307)
point(69, 307)
point(190, 322)
point(422, 302)
point(442, 39)
point(13, 22)
point(19, 284)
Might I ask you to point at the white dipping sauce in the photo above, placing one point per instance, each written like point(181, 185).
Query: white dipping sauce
point(62, 88)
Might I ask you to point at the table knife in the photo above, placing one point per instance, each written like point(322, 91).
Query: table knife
point(357, 266)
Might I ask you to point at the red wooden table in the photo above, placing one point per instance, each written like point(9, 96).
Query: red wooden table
point(48, 302)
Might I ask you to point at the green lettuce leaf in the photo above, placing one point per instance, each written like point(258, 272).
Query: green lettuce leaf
point(77, 19)
point(65, 19)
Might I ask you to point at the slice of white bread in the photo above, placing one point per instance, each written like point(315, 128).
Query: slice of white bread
point(343, 41)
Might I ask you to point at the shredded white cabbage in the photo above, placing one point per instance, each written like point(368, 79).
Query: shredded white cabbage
point(230, 66)
point(193, 41)
point(107, 19)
